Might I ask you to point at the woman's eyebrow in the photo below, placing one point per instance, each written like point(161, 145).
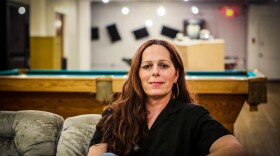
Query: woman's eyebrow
point(148, 61)
point(164, 61)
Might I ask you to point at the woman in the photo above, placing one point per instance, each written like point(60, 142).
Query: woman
point(154, 115)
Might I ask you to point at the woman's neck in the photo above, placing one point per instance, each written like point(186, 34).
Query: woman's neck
point(154, 107)
point(156, 104)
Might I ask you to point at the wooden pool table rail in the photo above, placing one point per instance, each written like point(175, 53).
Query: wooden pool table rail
point(74, 95)
point(48, 84)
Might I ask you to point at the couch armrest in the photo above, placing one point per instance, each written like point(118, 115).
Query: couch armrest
point(76, 135)
point(31, 132)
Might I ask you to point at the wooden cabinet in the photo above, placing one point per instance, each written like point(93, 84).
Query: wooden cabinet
point(45, 53)
point(202, 55)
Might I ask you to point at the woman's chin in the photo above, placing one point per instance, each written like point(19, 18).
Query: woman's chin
point(158, 95)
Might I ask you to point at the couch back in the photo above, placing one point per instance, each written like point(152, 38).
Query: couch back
point(76, 135)
point(29, 132)
point(33, 132)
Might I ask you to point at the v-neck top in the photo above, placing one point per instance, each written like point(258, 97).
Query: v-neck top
point(180, 129)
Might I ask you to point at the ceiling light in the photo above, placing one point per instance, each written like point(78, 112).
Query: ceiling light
point(125, 10)
point(105, 1)
point(58, 23)
point(21, 10)
point(195, 10)
point(161, 11)
point(149, 23)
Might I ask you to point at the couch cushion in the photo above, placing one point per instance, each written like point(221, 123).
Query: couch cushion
point(8, 147)
point(76, 135)
point(31, 132)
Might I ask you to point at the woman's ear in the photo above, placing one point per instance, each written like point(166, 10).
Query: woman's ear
point(176, 76)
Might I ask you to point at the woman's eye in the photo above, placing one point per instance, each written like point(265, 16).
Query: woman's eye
point(164, 66)
point(146, 66)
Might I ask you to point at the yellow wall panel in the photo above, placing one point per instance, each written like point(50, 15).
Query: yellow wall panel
point(45, 53)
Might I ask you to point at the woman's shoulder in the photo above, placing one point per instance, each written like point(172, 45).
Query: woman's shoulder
point(190, 114)
point(192, 109)
point(192, 106)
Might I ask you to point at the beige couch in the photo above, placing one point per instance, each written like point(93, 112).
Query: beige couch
point(31, 132)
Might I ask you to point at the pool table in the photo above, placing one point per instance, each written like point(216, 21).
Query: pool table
point(74, 92)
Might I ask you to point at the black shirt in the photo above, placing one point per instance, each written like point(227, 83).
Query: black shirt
point(180, 129)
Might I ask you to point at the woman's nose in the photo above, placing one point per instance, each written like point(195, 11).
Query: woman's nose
point(155, 71)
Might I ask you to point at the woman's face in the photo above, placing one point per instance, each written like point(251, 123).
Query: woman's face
point(157, 72)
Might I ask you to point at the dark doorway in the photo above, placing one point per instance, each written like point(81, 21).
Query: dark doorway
point(15, 28)
point(59, 26)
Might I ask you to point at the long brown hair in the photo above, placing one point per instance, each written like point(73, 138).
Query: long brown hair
point(124, 128)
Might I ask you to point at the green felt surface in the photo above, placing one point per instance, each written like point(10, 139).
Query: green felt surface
point(226, 73)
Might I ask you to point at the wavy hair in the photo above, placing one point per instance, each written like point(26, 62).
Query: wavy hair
point(126, 126)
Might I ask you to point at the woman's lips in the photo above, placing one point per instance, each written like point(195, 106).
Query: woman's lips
point(155, 84)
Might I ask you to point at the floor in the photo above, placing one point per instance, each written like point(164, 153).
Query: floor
point(259, 132)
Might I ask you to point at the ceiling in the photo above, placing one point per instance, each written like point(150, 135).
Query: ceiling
point(174, 0)
point(204, 1)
